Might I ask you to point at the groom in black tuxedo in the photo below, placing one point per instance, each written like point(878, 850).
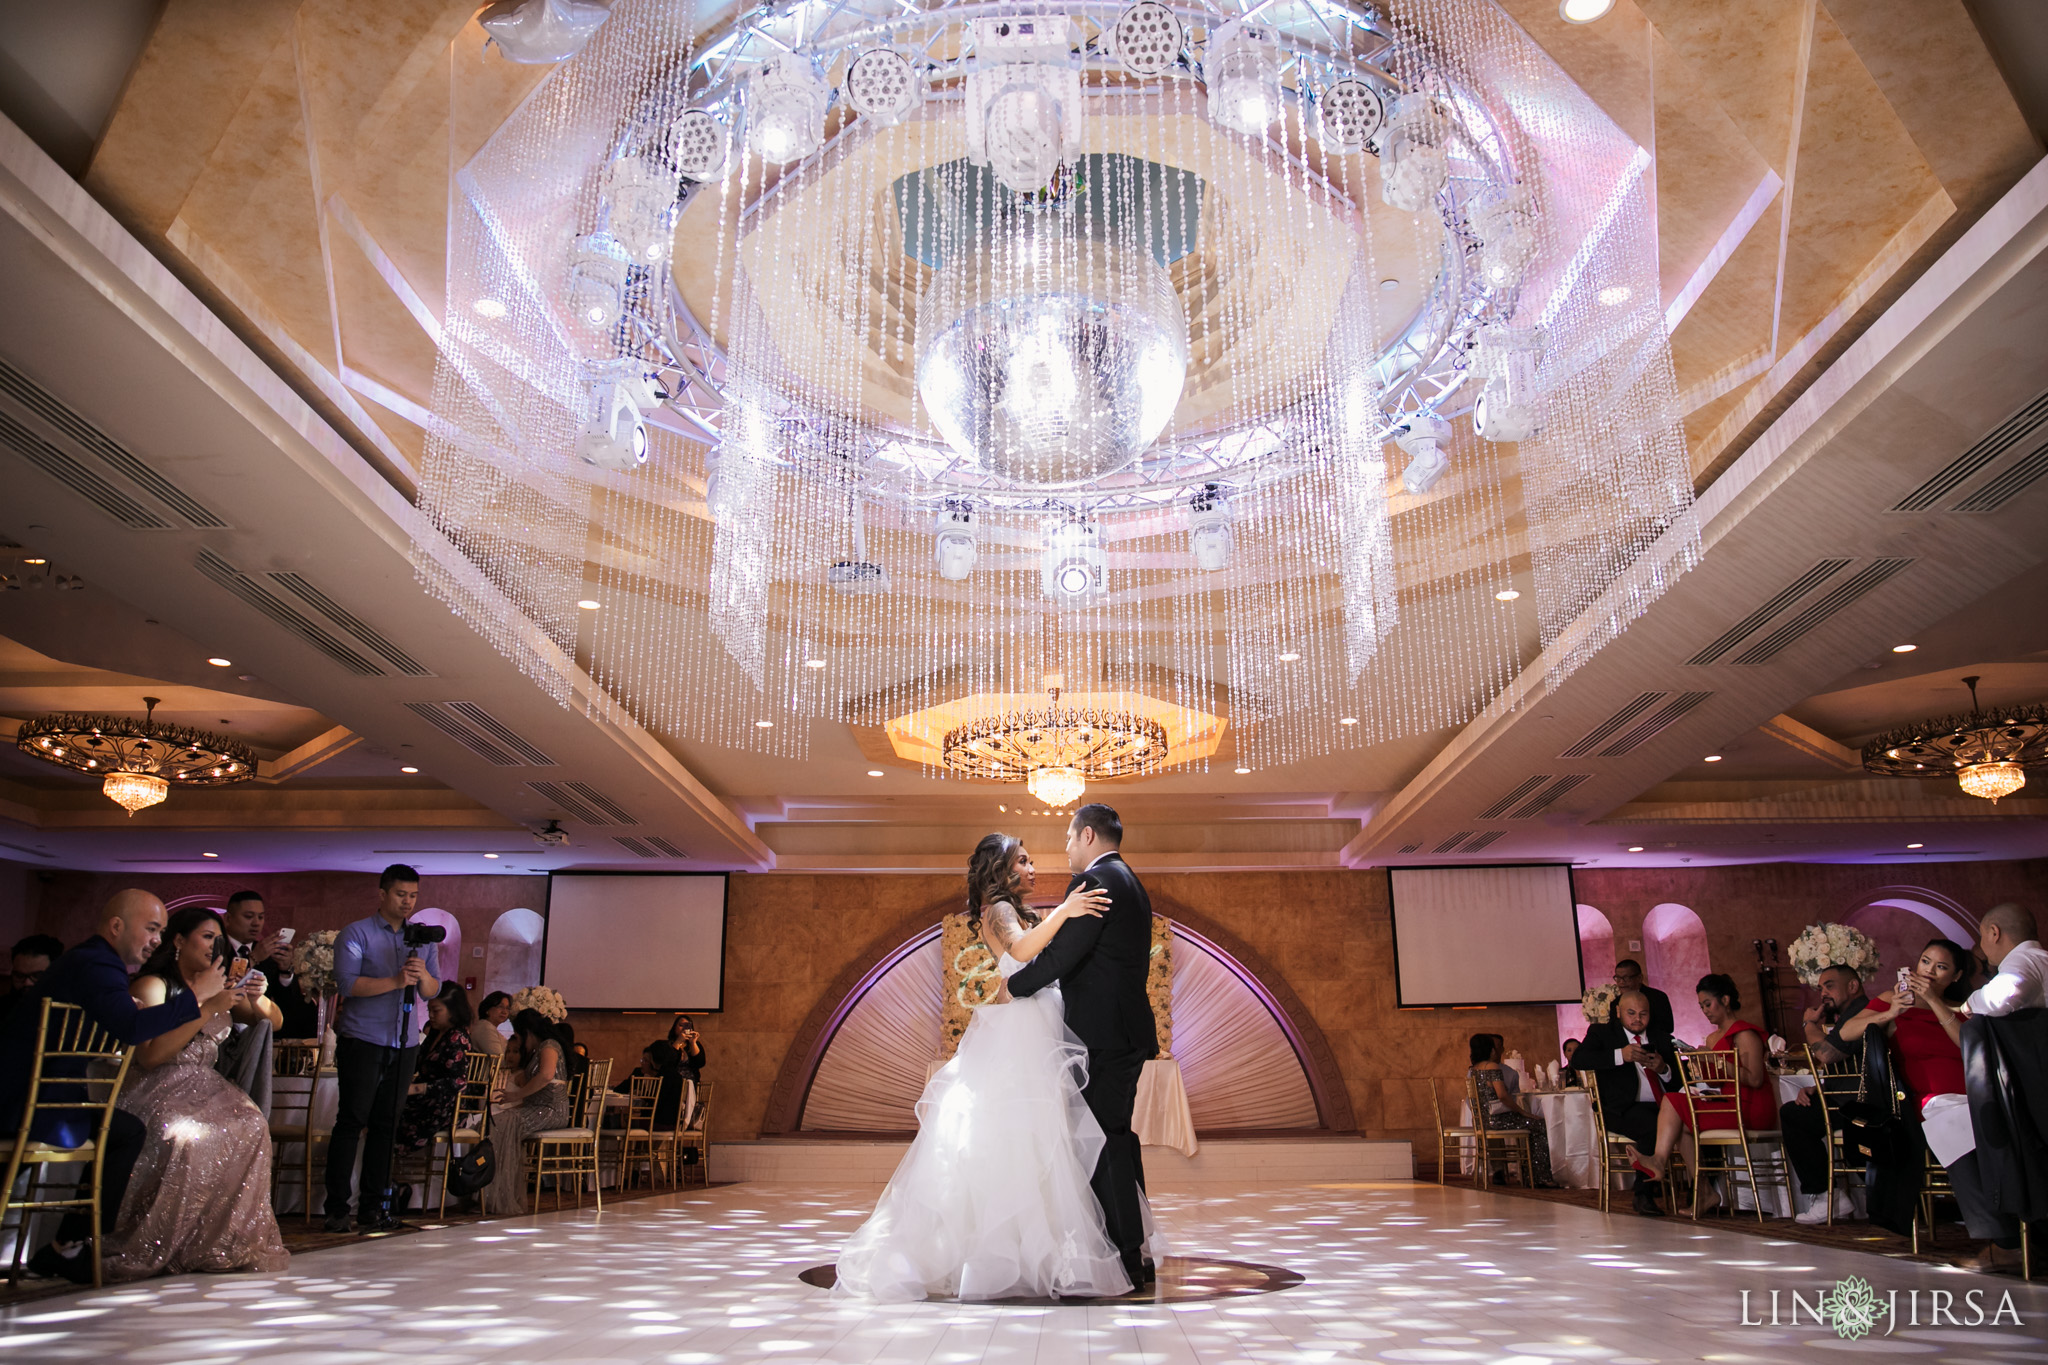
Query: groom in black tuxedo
point(1101, 964)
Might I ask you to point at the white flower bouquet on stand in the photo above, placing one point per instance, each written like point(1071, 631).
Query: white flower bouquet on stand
point(1821, 946)
point(546, 999)
point(1598, 1004)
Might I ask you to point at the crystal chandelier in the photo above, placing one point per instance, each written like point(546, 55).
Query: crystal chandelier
point(1988, 751)
point(137, 760)
point(1054, 750)
point(985, 343)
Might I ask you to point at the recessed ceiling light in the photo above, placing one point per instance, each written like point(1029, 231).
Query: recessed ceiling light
point(209, 855)
point(35, 561)
point(1003, 809)
point(1614, 295)
point(1635, 848)
point(1289, 657)
point(588, 605)
point(1242, 771)
point(1711, 758)
point(1583, 11)
point(490, 855)
point(1348, 720)
point(874, 772)
point(764, 725)
point(1904, 649)
point(814, 663)
point(1506, 595)
point(1390, 284)
point(1916, 845)
point(489, 308)
point(408, 769)
point(222, 663)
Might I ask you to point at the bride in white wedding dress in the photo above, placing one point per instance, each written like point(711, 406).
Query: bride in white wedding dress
point(992, 1200)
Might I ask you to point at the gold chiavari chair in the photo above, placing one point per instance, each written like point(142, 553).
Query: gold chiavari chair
point(1610, 1149)
point(73, 1081)
point(296, 1060)
point(1719, 1068)
point(466, 1125)
point(634, 1146)
point(1450, 1138)
point(1510, 1144)
point(1835, 1084)
point(693, 1133)
point(571, 1153)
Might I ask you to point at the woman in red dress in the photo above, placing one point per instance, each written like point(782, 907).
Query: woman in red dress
point(1681, 1115)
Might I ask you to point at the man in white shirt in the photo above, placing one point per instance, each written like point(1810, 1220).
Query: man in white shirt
point(2011, 943)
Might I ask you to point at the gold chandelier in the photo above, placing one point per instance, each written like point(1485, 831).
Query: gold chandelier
point(1054, 750)
point(138, 761)
point(1988, 751)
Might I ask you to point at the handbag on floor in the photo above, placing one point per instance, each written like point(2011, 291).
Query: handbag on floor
point(474, 1170)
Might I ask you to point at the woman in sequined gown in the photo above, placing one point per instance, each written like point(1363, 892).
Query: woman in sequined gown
point(535, 1099)
point(200, 1195)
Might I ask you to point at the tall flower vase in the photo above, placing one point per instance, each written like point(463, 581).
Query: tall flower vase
point(325, 1007)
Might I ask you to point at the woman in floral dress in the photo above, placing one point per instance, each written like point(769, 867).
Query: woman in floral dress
point(438, 1075)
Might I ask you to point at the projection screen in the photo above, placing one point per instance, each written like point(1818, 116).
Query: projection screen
point(636, 941)
point(1485, 935)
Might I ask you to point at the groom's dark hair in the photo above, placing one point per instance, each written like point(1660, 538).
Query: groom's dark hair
point(1108, 827)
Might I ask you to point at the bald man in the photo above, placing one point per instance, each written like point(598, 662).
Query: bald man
point(94, 975)
point(2011, 942)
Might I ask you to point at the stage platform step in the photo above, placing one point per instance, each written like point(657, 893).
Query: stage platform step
point(1303, 1160)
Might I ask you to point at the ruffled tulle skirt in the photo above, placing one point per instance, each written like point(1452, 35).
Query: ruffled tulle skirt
point(992, 1200)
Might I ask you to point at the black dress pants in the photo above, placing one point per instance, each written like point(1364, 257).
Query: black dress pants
point(372, 1081)
point(1111, 1095)
point(1806, 1144)
point(124, 1144)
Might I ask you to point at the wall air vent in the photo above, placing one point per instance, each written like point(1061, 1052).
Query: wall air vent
point(1821, 609)
point(1447, 845)
point(1750, 624)
point(634, 846)
point(483, 734)
point(47, 408)
point(352, 624)
point(267, 602)
point(1805, 604)
point(1410, 848)
point(1556, 790)
point(2021, 431)
point(583, 802)
point(1516, 793)
point(2014, 480)
point(665, 846)
point(1635, 724)
point(1483, 840)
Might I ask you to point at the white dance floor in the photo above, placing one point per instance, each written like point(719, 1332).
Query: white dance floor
point(1395, 1272)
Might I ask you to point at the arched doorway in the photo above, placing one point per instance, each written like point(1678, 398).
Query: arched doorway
point(448, 957)
point(1900, 920)
point(1596, 965)
point(512, 956)
point(1675, 957)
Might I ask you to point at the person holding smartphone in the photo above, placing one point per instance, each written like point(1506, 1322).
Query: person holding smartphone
point(682, 1034)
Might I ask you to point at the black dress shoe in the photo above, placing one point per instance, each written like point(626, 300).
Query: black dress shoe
point(1646, 1203)
point(53, 1265)
point(1148, 1273)
point(381, 1221)
point(335, 1225)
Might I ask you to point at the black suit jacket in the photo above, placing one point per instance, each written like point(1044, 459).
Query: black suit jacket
point(1661, 1019)
point(1101, 963)
point(1617, 1082)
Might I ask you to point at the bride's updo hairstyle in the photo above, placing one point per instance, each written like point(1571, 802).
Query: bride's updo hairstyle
point(992, 876)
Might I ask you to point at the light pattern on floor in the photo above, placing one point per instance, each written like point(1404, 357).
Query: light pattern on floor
point(1395, 1272)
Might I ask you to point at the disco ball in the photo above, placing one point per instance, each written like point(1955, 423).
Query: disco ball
point(1051, 362)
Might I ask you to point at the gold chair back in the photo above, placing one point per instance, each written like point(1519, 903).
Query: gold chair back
point(1722, 1069)
point(76, 1074)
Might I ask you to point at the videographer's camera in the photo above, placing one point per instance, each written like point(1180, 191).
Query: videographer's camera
point(418, 934)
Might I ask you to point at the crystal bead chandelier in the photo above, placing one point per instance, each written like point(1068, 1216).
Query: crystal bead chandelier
point(1054, 750)
point(916, 351)
point(1988, 751)
point(138, 761)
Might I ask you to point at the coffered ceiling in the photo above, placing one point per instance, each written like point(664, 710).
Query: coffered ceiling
point(235, 279)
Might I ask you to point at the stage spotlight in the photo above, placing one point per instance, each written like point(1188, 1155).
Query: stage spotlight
point(1209, 529)
point(1024, 100)
point(786, 102)
point(1348, 115)
point(541, 32)
point(699, 145)
point(1413, 161)
point(615, 438)
point(1147, 38)
point(883, 85)
point(1506, 224)
point(954, 547)
point(594, 293)
point(1241, 72)
point(1072, 570)
point(638, 200)
point(1506, 362)
point(1421, 436)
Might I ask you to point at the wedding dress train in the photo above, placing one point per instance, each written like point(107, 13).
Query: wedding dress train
point(992, 1200)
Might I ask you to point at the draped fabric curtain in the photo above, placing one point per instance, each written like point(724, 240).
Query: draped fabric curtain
point(873, 1070)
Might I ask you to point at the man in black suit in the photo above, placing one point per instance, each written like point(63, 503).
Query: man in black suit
point(1633, 1064)
point(1628, 974)
point(1101, 963)
point(1806, 1137)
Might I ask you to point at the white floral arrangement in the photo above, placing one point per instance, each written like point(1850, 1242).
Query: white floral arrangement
point(1598, 1004)
point(1820, 946)
point(546, 999)
point(312, 962)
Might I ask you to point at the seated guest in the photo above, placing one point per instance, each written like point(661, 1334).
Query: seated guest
point(200, 1196)
point(245, 1053)
point(2011, 943)
point(484, 1031)
point(1925, 1034)
point(1500, 1090)
point(32, 957)
point(682, 1034)
point(1633, 1065)
point(94, 976)
point(1806, 1142)
point(438, 1075)
point(534, 1099)
point(660, 1058)
point(1684, 1115)
point(1628, 975)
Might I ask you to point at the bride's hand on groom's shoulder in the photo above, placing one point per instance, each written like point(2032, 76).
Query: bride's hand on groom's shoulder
point(1086, 900)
